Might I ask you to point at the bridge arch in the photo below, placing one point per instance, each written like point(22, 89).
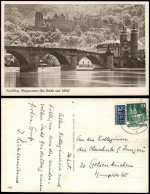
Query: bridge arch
point(94, 60)
point(60, 57)
point(20, 57)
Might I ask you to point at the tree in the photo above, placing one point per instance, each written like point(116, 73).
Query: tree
point(62, 42)
point(108, 19)
point(42, 38)
point(47, 45)
point(94, 40)
point(30, 43)
point(50, 39)
point(77, 28)
point(33, 40)
point(79, 33)
point(54, 44)
point(133, 12)
point(73, 41)
point(47, 34)
point(127, 19)
point(139, 11)
point(56, 36)
point(38, 40)
point(9, 26)
point(25, 38)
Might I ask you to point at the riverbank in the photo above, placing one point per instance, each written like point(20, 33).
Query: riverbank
point(128, 69)
point(17, 69)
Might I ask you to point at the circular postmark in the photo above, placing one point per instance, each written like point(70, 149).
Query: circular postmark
point(136, 116)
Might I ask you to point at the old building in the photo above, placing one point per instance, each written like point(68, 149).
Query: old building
point(127, 53)
point(113, 46)
point(39, 22)
point(129, 48)
point(65, 24)
point(60, 22)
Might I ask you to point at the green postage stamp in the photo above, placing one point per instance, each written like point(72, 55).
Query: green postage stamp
point(132, 117)
point(136, 115)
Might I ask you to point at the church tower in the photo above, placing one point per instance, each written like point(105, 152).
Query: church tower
point(38, 19)
point(134, 42)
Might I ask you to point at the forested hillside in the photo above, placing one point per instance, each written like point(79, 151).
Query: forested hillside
point(18, 17)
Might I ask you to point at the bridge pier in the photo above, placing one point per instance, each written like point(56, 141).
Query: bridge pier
point(33, 61)
point(31, 64)
point(73, 62)
point(72, 59)
point(121, 63)
point(110, 61)
point(64, 67)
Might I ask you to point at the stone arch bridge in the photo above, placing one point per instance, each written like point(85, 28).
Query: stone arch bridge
point(29, 57)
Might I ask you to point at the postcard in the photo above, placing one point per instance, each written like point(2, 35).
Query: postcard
point(75, 48)
point(75, 145)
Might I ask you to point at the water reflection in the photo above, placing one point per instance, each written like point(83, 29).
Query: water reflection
point(54, 77)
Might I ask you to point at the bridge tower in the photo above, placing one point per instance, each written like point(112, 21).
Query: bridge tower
point(124, 44)
point(110, 59)
point(134, 42)
point(123, 40)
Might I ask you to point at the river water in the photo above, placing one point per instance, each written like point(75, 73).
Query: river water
point(54, 77)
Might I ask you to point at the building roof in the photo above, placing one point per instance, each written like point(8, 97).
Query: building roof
point(55, 16)
point(62, 15)
point(141, 46)
point(110, 42)
point(140, 43)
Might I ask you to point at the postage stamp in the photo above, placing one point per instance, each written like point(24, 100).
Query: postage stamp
point(120, 115)
point(133, 117)
point(136, 115)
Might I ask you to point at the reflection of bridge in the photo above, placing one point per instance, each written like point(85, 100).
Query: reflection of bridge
point(29, 57)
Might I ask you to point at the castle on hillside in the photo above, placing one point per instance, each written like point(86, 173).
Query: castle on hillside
point(59, 22)
point(64, 24)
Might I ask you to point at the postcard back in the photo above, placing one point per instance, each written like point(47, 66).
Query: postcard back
point(75, 145)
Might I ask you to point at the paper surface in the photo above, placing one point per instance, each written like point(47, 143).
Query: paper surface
point(86, 83)
point(74, 145)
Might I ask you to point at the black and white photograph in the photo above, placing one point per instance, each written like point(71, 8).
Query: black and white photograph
point(71, 45)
